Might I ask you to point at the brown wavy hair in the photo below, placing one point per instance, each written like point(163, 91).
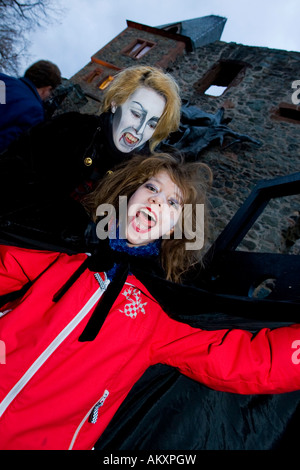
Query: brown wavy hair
point(128, 80)
point(193, 179)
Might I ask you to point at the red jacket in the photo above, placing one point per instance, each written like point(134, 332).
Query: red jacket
point(59, 393)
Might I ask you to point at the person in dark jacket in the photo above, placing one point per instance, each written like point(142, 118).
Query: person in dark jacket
point(47, 171)
point(22, 107)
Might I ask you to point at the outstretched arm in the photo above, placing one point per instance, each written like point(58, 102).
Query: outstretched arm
point(18, 266)
point(234, 360)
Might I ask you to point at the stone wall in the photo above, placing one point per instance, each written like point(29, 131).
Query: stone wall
point(164, 51)
point(113, 57)
point(266, 82)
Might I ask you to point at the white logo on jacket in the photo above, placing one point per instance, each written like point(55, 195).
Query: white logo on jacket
point(135, 305)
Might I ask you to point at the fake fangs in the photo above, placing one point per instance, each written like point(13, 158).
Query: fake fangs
point(129, 138)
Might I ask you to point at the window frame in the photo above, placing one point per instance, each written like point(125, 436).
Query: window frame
point(216, 75)
point(133, 51)
point(92, 75)
point(281, 112)
point(105, 80)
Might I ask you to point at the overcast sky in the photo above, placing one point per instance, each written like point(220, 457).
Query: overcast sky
point(85, 26)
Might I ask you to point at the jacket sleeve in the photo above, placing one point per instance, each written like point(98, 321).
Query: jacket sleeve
point(51, 152)
point(235, 360)
point(18, 266)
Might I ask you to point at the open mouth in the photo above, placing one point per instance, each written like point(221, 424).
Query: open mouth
point(129, 139)
point(145, 220)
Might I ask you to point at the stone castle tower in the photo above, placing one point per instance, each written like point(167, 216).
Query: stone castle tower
point(253, 85)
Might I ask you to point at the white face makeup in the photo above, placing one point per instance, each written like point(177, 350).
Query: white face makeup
point(134, 122)
point(153, 210)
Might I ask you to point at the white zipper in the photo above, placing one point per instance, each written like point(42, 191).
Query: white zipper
point(51, 348)
point(88, 415)
point(94, 414)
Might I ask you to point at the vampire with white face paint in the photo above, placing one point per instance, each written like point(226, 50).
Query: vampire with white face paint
point(153, 210)
point(134, 122)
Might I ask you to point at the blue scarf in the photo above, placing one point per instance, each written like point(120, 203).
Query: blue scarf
point(142, 251)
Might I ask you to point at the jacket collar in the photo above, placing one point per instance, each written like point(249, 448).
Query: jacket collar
point(32, 87)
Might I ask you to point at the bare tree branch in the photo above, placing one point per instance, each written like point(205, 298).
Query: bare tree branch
point(17, 18)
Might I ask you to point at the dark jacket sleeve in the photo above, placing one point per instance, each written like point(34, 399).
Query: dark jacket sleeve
point(51, 152)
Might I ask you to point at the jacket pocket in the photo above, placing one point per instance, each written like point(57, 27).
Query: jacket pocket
point(91, 417)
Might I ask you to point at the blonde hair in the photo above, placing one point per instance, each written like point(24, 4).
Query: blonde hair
point(193, 179)
point(128, 80)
